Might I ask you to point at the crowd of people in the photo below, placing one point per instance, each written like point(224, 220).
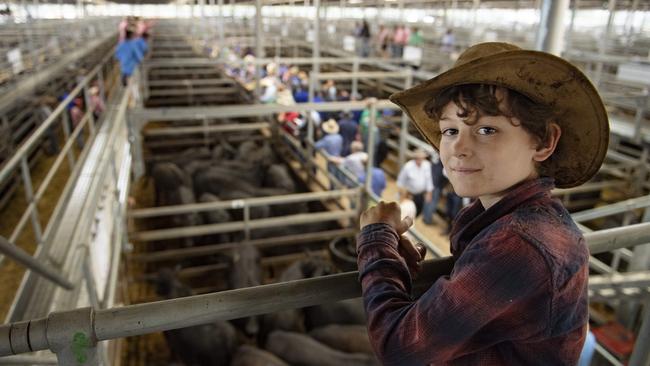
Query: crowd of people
point(344, 136)
point(390, 42)
point(75, 112)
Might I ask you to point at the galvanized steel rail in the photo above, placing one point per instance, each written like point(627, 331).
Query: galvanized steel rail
point(59, 330)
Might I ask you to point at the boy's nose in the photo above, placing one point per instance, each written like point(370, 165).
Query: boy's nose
point(462, 145)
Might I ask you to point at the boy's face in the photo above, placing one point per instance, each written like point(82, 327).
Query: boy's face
point(486, 158)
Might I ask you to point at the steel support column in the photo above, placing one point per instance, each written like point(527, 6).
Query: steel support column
point(315, 51)
point(641, 353)
point(568, 39)
point(259, 46)
point(551, 26)
point(403, 133)
point(372, 125)
point(222, 42)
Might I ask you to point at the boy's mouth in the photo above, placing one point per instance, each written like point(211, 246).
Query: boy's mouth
point(465, 170)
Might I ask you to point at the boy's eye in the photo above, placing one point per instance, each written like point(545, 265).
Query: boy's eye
point(449, 131)
point(486, 131)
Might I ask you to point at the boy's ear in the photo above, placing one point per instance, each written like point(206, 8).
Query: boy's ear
point(546, 148)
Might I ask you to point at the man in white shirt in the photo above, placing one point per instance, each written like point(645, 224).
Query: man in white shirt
point(415, 178)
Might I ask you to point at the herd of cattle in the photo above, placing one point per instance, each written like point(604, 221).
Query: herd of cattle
point(329, 334)
point(225, 173)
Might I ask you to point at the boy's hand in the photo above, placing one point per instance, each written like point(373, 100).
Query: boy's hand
point(412, 254)
point(389, 213)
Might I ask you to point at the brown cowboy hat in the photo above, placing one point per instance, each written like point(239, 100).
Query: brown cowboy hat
point(544, 78)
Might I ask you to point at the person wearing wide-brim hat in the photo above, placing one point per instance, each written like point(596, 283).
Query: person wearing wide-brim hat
point(332, 144)
point(510, 125)
point(330, 126)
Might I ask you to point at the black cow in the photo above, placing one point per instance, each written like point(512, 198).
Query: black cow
point(252, 356)
point(301, 349)
point(209, 344)
point(245, 271)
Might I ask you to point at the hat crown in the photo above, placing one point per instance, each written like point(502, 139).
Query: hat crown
point(485, 49)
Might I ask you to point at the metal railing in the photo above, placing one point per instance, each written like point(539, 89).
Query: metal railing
point(41, 43)
point(59, 330)
point(19, 161)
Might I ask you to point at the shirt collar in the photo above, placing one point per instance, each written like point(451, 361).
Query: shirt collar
point(474, 218)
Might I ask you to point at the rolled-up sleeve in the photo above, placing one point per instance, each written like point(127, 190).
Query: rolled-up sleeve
point(498, 291)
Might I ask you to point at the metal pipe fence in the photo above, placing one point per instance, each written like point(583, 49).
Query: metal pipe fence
point(19, 159)
point(57, 330)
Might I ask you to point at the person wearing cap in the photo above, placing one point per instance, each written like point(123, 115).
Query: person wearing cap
point(415, 179)
point(510, 125)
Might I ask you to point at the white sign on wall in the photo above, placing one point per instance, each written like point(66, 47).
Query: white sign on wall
point(413, 55)
point(349, 43)
point(331, 29)
point(284, 31)
point(310, 36)
point(634, 72)
point(15, 58)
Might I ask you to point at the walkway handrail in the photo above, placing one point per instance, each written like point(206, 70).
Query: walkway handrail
point(59, 329)
point(20, 157)
point(239, 203)
point(35, 137)
point(19, 255)
point(613, 209)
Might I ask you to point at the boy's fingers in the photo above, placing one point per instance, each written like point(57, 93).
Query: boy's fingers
point(404, 225)
point(421, 249)
point(409, 249)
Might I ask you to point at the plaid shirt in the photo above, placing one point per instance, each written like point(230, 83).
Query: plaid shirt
point(517, 294)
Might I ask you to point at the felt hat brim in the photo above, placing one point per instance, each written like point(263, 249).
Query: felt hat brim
point(544, 78)
point(331, 127)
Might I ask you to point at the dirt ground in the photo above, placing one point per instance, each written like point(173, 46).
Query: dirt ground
point(10, 271)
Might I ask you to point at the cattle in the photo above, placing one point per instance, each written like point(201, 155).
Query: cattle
point(301, 349)
point(208, 344)
point(167, 178)
point(346, 338)
point(252, 356)
point(342, 312)
point(244, 272)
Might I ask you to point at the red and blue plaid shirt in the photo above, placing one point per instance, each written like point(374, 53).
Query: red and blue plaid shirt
point(517, 294)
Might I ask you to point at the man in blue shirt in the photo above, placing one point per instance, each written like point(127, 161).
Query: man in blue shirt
point(377, 180)
point(129, 56)
point(332, 144)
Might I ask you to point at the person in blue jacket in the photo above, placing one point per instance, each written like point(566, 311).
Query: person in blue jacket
point(129, 56)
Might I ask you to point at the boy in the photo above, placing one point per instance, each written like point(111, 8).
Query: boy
point(510, 124)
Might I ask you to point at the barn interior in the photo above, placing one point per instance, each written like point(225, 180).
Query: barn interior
point(187, 212)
